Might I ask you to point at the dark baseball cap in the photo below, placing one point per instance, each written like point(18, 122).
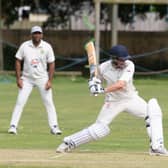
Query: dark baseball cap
point(119, 51)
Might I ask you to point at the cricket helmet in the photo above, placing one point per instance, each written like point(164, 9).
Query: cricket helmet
point(119, 52)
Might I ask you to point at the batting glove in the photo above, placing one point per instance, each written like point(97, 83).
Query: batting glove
point(96, 89)
point(95, 86)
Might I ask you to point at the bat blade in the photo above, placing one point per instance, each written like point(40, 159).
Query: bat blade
point(91, 53)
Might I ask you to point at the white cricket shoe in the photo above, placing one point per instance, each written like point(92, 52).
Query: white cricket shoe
point(158, 152)
point(55, 130)
point(12, 130)
point(63, 148)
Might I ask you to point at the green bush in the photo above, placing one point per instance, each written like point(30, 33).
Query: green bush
point(9, 57)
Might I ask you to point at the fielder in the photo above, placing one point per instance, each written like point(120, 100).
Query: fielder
point(120, 95)
point(35, 54)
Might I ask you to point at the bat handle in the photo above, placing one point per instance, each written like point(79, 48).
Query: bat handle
point(93, 94)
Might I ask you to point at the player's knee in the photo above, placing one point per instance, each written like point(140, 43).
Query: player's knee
point(47, 102)
point(153, 108)
point(21, 102)
point(98, 130)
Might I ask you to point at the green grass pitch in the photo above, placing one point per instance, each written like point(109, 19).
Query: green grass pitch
point(76, 109)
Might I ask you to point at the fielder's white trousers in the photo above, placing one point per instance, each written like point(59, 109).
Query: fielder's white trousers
point(136, 106)
point(46, 96)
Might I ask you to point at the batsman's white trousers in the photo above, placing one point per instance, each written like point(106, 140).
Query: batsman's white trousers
point(136, 106)
point(23, 95)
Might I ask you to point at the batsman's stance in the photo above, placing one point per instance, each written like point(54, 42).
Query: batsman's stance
point(36, 55)
point(120, 95)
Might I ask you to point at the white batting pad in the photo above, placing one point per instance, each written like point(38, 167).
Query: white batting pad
point(98, 130)
point(78, 138)
point(93, 132)
point(155, 116)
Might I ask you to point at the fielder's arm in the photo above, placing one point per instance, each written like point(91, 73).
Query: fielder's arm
point(18, 64)
point(51, 70)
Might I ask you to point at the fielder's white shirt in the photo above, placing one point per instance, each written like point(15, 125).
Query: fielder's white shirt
point(111, 75)
point(35, 59)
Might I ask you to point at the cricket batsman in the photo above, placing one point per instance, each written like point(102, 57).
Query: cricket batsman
point(120, 96)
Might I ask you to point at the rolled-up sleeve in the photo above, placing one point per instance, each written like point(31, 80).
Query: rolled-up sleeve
point(20, 53)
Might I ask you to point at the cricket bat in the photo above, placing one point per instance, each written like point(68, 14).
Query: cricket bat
point(91, 53)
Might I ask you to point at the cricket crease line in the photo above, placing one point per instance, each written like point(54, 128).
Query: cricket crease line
point(58, 156)
point(24, 161)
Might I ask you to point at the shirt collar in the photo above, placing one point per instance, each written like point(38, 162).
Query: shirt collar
point(39, 46)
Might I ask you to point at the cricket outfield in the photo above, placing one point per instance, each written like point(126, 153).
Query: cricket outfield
point(126, 146)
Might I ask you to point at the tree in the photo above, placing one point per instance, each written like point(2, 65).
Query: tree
point(61, 10)
point(10, 9)
point(9, 12)
point(127, 12)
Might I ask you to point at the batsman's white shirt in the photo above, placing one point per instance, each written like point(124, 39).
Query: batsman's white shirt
point(35, 59)
point(112, 75)
point(126, 99)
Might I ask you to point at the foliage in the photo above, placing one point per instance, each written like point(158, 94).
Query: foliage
point(9, 59)
point(127, 12)
point(61, 10)
point(9, 12)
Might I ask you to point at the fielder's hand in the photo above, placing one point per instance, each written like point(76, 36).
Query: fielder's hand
point(48, 85)
point(20, 83)
point(95, 86)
